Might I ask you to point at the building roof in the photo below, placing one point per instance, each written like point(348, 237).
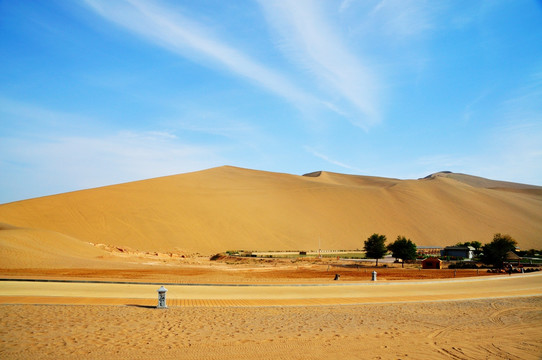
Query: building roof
point(512, 256)
point(459, 248)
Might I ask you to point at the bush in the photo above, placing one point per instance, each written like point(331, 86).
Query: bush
point(217, 257)
point(463, 265)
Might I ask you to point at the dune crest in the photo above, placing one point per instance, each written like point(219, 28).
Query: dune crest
point(230, 208)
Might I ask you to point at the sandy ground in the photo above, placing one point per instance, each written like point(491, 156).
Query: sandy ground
point(220, 273)
point(257, 295)
point(507, 328)
point(496, 317)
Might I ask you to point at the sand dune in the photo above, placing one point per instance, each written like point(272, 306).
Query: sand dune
point(31, 248)
point(231, 208)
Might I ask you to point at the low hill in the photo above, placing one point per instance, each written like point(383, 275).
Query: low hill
point(229, 208)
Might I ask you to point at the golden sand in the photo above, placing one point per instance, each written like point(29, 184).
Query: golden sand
point(489, 317)
point(231, 209)
point(343, 293)
point(151, 231)
point(477, 329)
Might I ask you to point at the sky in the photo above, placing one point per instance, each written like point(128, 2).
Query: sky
point(100, 92)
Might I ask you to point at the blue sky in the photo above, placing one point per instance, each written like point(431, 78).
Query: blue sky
point(99, 92)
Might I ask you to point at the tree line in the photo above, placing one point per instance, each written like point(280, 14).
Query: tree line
point(493, 253)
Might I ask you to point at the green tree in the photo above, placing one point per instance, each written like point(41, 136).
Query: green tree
point(477, 247)
point(496, 251)
point(375, 247)
point(403, 249)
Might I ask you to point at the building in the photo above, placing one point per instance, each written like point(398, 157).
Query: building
point(465, 252)
point(432, 263)
point(429, 250)
point(512, 257)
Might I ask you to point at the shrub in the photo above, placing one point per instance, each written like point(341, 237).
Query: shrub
point(463, 265)
point(217, 257)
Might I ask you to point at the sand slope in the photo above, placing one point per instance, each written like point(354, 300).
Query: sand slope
point(31, 248)
point(231, 208)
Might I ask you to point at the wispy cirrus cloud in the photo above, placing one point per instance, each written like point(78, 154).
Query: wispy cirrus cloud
point(307, 35)
point(169, 29)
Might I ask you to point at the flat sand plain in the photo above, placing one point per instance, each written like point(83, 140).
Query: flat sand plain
point(261, 295)
point(498, 317)
point(505, 328)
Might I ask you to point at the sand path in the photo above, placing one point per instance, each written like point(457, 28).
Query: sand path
point(21, 292)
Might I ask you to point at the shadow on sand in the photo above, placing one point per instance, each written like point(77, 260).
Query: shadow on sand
point(142, 306)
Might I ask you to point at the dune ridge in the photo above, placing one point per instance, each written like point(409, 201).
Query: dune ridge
point(228, 208)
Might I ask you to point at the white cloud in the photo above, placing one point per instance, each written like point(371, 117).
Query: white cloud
point(167, 28)
point(309, 38)
point(149, 135)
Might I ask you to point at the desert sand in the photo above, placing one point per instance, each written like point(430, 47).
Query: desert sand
point(269, 311)
point(79, 271)
point(230, 208)
point(465, 317)
point(336, 293)
point(482, 329)
point(389, 321)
